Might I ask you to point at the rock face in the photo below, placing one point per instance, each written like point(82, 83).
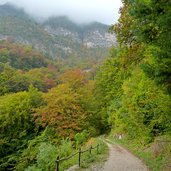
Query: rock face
point(58, 36)
point(61, 31)
point(95, 38)
point(90, 35)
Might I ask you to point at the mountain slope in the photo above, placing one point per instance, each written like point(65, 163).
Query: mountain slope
point(91, 35)
point(58, 37)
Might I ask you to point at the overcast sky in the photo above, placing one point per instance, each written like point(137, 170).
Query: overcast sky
point(105, 11)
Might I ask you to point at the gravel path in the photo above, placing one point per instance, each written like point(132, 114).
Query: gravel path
point(119, 159)
point(122, 160)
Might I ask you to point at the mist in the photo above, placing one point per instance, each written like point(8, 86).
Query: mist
point(104, 11)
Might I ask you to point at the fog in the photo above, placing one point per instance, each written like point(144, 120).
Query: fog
point(80, 11)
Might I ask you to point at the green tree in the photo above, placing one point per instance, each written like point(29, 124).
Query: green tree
point(147, 22)
point(16, 124)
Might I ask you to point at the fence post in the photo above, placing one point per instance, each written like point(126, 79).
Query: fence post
point(97, 148)
point(90, 149)
point(57, 164)
point(79, 157)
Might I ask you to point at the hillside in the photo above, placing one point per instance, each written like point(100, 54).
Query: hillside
point(54, 103)
point(58, 37)
point(21, 57)
point(90, 35)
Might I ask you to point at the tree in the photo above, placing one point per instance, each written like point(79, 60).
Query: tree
point(129, 100)
point(16, 124)
point(69, 107)
point(147, 22)
point(63, 111)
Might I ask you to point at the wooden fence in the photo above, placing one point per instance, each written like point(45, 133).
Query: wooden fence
point(79, 152)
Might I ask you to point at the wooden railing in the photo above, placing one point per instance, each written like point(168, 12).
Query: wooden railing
point(79, 152)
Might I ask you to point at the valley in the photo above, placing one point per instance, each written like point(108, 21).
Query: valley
point(64, 85)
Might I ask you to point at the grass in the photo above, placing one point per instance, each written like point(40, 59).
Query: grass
point(88, 160)
point(95, 159)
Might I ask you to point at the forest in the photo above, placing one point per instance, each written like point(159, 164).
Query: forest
point(42, 106)
point(46, 107)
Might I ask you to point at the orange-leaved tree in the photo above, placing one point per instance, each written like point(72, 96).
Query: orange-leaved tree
point(65, 110)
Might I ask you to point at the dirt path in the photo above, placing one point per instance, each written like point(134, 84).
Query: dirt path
point(119, 159)
point(122, 160)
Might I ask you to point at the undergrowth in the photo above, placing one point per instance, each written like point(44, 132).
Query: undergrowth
point(87, 159)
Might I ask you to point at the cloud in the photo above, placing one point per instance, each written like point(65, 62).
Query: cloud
point(105, 11)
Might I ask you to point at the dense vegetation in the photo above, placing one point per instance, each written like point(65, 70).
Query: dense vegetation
point(133, 85)
point(42, 107)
